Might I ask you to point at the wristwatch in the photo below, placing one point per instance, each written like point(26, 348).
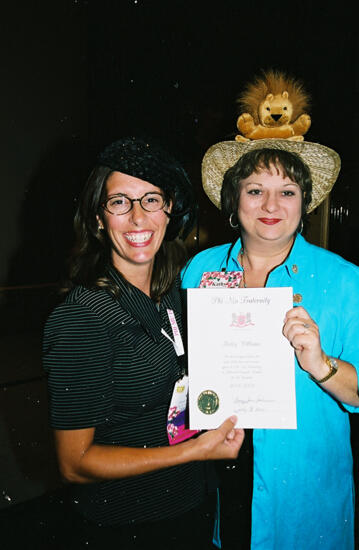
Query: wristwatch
point(333, 368)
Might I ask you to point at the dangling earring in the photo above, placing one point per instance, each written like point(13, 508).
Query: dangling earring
point(100, 226)
point(301, 226)
point(231, 223)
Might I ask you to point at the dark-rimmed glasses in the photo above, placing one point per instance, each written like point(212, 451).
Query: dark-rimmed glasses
point(121, 204)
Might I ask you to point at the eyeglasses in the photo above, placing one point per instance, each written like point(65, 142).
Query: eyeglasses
point(121, 204)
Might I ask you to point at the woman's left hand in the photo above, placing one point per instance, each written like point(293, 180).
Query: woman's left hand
point(303, 334)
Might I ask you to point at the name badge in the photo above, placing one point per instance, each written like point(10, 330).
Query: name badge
point(177, 414)
point(221, 279)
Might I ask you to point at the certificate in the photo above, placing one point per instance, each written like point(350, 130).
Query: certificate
point(239, 362)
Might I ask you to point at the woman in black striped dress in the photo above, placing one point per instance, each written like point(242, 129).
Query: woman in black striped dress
point(114, 354)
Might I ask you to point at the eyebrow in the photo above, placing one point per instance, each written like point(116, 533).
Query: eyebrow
point(261, 185)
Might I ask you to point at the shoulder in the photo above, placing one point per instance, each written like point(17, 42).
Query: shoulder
point(328, 265)
point(81, 298)
point(207, 260)
point(74, 335)
point(330, 258)
point(82, 309)
point(90, 298)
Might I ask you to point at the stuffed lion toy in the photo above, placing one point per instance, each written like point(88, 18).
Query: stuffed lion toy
point(273, 106)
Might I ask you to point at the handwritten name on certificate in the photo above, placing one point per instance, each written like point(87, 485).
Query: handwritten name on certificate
point(239, 361)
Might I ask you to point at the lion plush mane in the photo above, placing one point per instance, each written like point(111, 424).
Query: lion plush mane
point(273, 106)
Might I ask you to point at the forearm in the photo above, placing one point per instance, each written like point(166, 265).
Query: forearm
point(82, 461)
point(343, 385)
point(102, 462)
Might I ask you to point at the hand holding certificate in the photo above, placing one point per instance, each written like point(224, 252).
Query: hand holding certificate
point(239, 361)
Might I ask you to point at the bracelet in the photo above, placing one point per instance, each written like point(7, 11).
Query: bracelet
point(333, 366)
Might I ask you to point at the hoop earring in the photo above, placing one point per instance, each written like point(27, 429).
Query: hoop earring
point(231, 223)
point(301, 226)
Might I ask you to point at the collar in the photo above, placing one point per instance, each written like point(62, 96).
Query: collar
point(295, 261)
point(140, 306)
point(230, 262)
point(297, 258)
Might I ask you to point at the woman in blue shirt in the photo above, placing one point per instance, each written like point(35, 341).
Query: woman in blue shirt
point(303, 491)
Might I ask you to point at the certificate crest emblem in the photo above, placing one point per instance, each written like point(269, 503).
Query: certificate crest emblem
point(208, 402)
point(240, 320)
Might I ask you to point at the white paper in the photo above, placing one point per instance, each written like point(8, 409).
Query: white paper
point(239, 360)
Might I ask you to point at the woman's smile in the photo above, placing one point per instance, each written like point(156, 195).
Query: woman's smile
point(138, 238)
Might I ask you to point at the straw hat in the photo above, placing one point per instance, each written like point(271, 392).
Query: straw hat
point(324, 164)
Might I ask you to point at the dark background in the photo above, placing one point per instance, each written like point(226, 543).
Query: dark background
point(76, 75)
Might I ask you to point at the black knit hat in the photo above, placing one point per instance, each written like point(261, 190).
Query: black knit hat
point(147, 161)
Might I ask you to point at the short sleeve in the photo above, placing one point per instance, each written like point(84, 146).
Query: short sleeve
point(350, 328)
point(77, 356)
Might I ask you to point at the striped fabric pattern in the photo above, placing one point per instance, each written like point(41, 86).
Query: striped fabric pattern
point(109, 367)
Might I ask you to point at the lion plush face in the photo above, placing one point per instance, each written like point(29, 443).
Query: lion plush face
point(275, 110)
point(273, 107)
point(279, 88)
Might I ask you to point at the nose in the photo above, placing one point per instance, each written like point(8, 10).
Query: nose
point(276, 117)
point(137, 213)
point(270, 203)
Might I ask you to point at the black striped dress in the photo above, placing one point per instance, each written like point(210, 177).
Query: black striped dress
point(109, 367)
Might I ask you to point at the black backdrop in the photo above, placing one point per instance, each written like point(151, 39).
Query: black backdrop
point(172, 69)
point(167, 68)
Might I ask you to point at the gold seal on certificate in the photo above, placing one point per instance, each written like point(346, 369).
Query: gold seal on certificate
point(208, 402)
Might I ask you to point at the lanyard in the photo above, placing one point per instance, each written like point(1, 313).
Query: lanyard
point(177, 339)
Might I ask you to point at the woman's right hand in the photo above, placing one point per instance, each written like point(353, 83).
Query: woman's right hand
point(221, 443)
